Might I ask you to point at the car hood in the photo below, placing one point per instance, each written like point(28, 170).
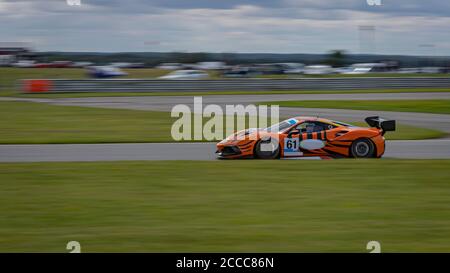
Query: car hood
point(247, 134)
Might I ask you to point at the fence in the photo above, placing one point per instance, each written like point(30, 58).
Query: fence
point(142, 85)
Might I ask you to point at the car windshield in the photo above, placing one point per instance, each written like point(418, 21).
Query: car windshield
point(279, 127)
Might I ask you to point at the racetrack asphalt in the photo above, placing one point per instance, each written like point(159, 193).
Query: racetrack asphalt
point(418, 149)
point(165, 103)
point(425, 149)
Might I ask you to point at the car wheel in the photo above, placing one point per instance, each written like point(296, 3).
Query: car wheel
point(362, 148)
point(267, 149)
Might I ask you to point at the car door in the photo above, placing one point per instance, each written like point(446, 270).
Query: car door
point(306, 139)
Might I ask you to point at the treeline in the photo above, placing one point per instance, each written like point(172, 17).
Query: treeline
point(335, 58)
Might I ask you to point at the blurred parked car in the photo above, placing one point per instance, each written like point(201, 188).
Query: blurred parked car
point(185, 75)
point(120, 65)
point(24, 64)
point(343, 70)
point(170, 66)
point(240, 71)
point(55, 64)
point(268, 69)
point(363, 68)
point(105, 72)
point(7, 60)
point(432, 70)
point(318, 70)
point(42, 65)
point(211, 65)
point(409, 70)
point(127, 65)
point(60, 64)
point(81, 64)
point(292, 68)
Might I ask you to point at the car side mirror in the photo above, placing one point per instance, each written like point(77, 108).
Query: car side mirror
point(293, 132)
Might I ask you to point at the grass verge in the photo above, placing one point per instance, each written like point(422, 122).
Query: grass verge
point(424, 106)
point(33, 123)
point(263, 206)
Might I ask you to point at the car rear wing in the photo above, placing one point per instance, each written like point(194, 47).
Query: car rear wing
point(380, 123)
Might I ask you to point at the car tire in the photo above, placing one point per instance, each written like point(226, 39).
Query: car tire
point(362, 148)
point(268, 154)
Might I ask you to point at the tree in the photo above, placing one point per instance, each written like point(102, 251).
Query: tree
point(336, 58)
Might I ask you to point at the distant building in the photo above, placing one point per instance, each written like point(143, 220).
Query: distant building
point(13, 52)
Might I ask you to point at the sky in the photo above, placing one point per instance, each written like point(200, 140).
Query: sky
point(410, 27)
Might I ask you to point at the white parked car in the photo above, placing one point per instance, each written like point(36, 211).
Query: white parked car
point(431, 70)
point(359, 70)
point(120, 65)
point(170, 66)
point(343, 70)
point(81, 64)
point(185, 75)
point(211, 65)
point(6, 60)
point(409, 70)
point(24, 64)
point(364, 68)
point(318, 70)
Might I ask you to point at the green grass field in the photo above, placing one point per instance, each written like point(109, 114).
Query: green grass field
point(25, 122)
point(226, 206)
point(32, 123)
point(423, 106)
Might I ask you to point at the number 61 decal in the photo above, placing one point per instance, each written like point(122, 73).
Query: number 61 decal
point(375, 246)
point(74, 246)
point(292, 147)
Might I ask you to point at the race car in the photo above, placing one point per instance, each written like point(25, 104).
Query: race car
point(309, 137)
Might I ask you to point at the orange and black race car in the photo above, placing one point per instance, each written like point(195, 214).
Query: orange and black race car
point(309, 137)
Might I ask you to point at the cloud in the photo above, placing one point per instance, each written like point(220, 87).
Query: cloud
point(393, 7)
point(238, 26)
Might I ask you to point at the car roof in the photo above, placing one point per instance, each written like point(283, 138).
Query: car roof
point(324, 120)
point(303, 118)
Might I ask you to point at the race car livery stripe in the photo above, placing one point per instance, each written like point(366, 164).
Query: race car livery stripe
point(245, 146)
point(319, 135)
point(333, 153)
point(338, 145)
point(292, 121)
point(246, 143)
